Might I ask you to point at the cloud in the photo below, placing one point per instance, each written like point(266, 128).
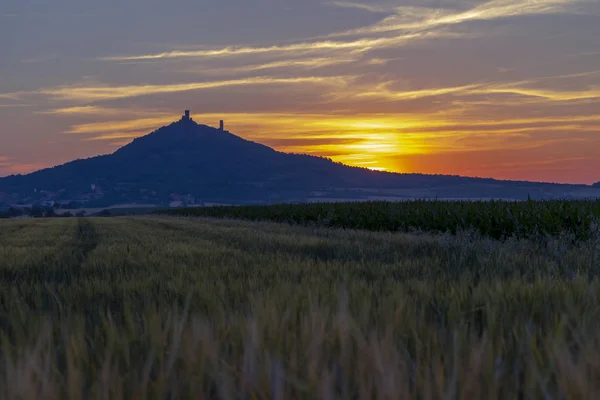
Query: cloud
point(523, 88)
point(360, 45)
point(382, 92)
point(547, 94)
point(80, 110)
point(102, 111)
point(116, 136)
point(304, 63)
point(415, 19)
point(374, 8)
point(13, 105)
point(9, 96)
point(95, 93)
point(308, 141)
point(405, 25)
point(120, 126)
point(230, 51)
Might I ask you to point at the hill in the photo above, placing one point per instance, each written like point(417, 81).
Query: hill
point(190, 163)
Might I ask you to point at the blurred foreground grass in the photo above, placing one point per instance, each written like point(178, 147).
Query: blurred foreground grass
point(158, 307)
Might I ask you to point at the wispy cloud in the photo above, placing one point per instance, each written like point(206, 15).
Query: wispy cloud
point(407, 23)
point(243, 51)
point(117, 136)
point(374, 8)
point(527, 88)
point(383, 92)
point(288, 65)
point(95, 93)
point(410, 18)
point(360, 45)
point(548, 94)
point(102, 111)
point(9, 96)
point(120, 126)
point(80, 110)
point(14, 105)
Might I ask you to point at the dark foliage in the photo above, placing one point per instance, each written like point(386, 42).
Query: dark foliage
point(496, 219)
point(10, 213)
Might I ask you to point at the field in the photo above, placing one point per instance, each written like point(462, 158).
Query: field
point(174, 307)
point(495, 219)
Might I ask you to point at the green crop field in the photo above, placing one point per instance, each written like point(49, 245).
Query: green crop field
point(193, 308)
point(495, 219)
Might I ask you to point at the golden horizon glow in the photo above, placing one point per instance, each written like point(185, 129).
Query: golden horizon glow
point(369, 141)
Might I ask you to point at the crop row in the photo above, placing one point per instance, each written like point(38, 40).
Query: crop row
point(496, 219)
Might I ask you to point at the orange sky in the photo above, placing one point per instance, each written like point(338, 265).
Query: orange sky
point(502, 88)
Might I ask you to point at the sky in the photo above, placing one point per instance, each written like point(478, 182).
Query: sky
point(508, 89)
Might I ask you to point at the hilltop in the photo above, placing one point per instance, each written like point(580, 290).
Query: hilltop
point(190, 163)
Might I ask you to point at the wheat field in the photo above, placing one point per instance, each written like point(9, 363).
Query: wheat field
point(183, 308)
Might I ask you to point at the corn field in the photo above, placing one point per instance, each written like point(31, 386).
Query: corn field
point(495, 219)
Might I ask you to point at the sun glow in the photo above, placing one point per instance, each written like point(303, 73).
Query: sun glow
point(363, 141)
point(377, 169)
point(379, 142)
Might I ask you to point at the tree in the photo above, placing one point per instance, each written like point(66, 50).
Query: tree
point(72, 205)
point(104, 213)
point(36, 212)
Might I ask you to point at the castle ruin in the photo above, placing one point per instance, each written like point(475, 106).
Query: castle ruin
point(186, 117)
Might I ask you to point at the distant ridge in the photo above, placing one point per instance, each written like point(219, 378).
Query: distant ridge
point(190, 163)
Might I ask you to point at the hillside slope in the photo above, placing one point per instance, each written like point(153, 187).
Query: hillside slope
point(214, 165)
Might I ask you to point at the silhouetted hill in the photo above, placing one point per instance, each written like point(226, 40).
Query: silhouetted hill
point(211, 165)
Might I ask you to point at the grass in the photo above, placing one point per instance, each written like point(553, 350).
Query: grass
point(163, 307)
